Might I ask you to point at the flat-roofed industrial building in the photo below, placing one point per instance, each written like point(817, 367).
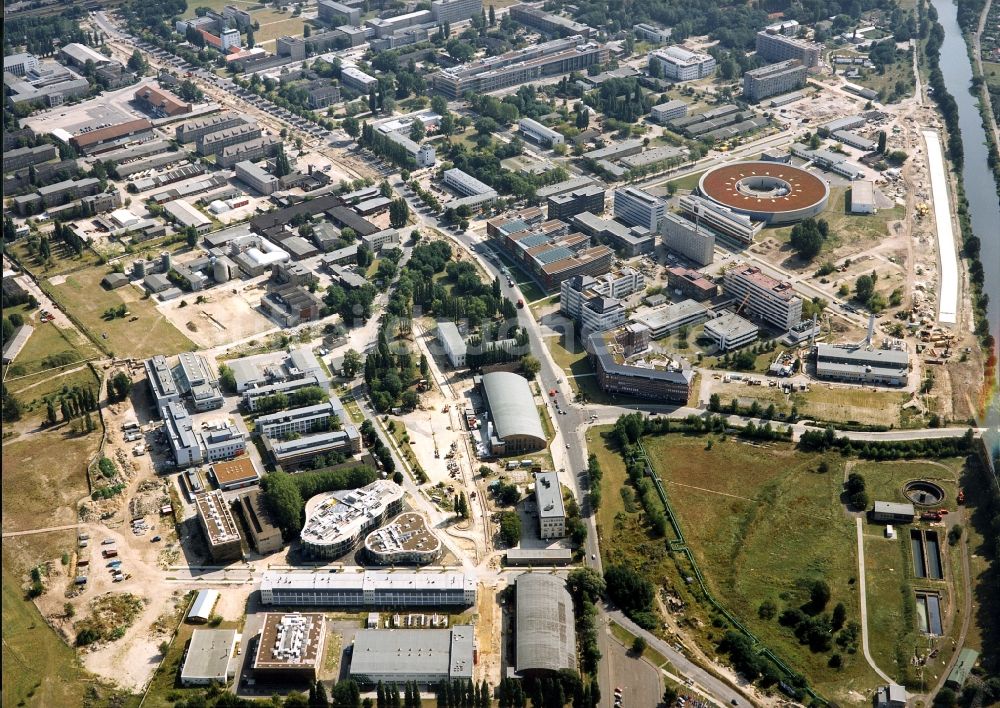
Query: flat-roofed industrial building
point(551, 509)
point(290, 646)
point(862, 365)
point(893, 511)
point(217, 523)
point(368, 588)
point(235, 474)
point(265, 537)
point(425, 656)
point(210, 657)
point(730, 331)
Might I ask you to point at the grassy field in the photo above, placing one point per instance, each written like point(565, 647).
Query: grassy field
point(687, 182)
point(744, 513)
point(47, 349)
point(39, 669)
point(53, 461)
point(901, 70)
point(62, 260)
point(81, 295)
point(991, 73)
point(851, 404)
point(885, 480)
point(844, 227)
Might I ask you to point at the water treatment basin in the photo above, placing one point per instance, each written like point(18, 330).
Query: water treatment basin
point(923, 493)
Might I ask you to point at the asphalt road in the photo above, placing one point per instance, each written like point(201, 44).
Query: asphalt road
point(723, 692)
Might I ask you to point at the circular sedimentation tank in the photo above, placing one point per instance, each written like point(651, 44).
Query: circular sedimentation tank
point(923, 492)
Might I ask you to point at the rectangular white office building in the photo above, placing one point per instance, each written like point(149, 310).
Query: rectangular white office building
point(638, 208)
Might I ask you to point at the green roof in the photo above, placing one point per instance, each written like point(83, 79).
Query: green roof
point(966, 660)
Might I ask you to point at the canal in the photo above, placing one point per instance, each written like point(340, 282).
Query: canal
point(980, 188)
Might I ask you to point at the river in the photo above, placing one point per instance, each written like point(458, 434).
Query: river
point(980, 189)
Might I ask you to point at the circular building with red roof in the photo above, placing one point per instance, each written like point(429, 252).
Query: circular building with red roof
point(766, 191)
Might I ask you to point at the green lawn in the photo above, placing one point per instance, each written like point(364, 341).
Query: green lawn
point(991, 73)
point(762, 524)
point(81, 295)
point(48, 348)
point(62, 260)
point(688, 182)
point(845, 228)
point(901, 70)
point(851, 405)
point(39, 669)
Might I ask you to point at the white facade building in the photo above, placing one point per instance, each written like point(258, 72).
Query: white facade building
point(638, 208)
point(680, 64)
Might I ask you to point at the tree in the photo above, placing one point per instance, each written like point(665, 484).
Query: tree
point(399, 213)
point(638, 646)
point(307, 30)
point(119, 387)
point(839, 616)
point(250, 38)
point(352, 363)
point(417, 131)
point(530, 366)
point(819, 595)
point(864, 288)
point(807, 239)
point(493, 17)
point(585, 584)
point(510, 528)
point(137, 63)
point(881, 142)
point(767, 610)
point(351, 126)
point(282, 166)
point(629, 590)
point(669, 696)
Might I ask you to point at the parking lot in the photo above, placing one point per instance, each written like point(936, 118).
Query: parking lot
point(110, 108)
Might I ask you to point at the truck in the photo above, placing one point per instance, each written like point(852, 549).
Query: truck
point(109, 553)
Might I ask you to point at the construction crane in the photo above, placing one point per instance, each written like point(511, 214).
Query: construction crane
point(742, 304)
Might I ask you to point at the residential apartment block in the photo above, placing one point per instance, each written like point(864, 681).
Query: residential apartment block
point(774, 79)
point(773, 46)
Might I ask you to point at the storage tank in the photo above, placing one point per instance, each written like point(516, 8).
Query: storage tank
point(138, 269)
point(165, 264)
point(220, 270)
